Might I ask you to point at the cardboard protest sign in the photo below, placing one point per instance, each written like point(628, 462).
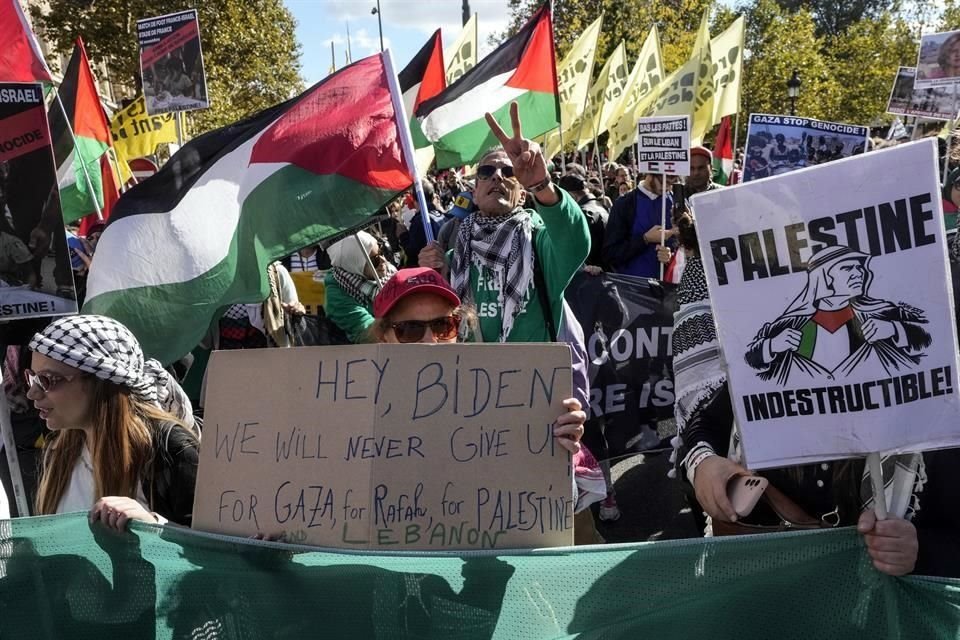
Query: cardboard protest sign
point(778, 144)
point(388, 446)
point(832, 300)
point(36, 278)
point(663, 145)
point(935, 103)
point(939, 61)
point(171, 63)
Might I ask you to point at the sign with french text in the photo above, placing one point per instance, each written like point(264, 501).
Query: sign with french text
point(834, 308)
point(663, 145)
point(171, 63)
point(388, 446)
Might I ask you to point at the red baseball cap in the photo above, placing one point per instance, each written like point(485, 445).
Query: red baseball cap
point(407, 281)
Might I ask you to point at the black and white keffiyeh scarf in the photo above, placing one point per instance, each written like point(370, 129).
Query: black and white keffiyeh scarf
point(358, 287)
point(105, 348)
point(504, 246)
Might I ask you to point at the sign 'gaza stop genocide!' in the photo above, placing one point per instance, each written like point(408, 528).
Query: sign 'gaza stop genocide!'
point(834, 308)
point(388, 446)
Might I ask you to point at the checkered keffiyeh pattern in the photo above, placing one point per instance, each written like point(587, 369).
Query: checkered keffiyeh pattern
point(503, 245)
point(106, 349)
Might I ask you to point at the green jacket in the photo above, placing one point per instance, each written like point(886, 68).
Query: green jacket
point(345, 312)
point(562, 244)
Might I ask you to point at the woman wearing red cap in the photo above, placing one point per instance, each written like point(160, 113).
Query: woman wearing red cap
point(419, 306)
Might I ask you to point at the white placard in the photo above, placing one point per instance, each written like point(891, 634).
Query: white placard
point(663, 145)
point(834, 308)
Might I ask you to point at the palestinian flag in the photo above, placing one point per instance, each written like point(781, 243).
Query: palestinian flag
point(522, 69)
point(421, 79)
point(78, 155)
point(199, 234)
point(723, 153)
point(20, 56)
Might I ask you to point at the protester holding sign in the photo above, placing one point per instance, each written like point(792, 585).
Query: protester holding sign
point(633, 229)
point(121, 426)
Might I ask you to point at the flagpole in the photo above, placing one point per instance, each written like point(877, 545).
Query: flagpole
point(83, 165)
point(736, 132)
point(563, 153)
point(663, 216)
point(406, 142)
point(116, 164)
point(951, 129)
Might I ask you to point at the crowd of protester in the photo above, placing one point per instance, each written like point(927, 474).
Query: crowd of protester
point(115, 434)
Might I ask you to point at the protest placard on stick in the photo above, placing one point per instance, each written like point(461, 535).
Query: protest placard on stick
point(388, 446)
point(35, 274)
point(779, 144)
point(935, 103)
point(171, 63)
point(834, 308)
point(663, 146)
point(938, 62)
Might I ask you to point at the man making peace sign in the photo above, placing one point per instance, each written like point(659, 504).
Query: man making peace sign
point(492, 263)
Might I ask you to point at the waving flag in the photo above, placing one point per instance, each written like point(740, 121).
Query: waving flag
point(235, 199)
point(20, 56)
point(522, 69)
point(420, 80)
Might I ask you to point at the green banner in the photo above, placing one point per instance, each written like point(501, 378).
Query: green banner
point(62, 578)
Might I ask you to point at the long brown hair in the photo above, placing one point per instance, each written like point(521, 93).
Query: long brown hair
point(121, 447)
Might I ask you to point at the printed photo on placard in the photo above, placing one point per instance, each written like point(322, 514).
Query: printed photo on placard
point(36, 277)
point(171, 63)
point(831, 341)
point(935, 103)
point(939, 60)
point(779, 144)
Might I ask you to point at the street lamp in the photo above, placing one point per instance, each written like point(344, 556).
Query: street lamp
point(376, 12)
point(793, 91)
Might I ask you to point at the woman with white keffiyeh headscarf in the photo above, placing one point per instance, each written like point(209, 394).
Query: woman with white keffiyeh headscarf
point(124, 444)
point(358, 273)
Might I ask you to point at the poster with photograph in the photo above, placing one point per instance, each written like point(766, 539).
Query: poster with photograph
point(939, 60)
point(778, 144)
point(663, 145)
point(935, 103)
point(833, 346)
point(36, 277)
point(171, 63)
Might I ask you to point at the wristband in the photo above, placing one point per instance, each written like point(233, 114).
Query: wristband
point(540, 186)
point(697, 455)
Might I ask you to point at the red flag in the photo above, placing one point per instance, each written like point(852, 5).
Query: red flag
point(20, 56)
point(111, 193)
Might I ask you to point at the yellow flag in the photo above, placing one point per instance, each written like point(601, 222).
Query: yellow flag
point(689, 89)
point(727, 53)
point(610, 82)
point(573, 80)
point(643, 81)
point(462, 56)
point(136, 134)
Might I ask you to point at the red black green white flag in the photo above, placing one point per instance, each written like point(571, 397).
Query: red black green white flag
point(235, 199)
point(20, 56)
point(78, 156)
point(523, 69)
point(422, 79)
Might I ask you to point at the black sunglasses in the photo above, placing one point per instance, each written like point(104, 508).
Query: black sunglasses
point(443, 328)
point(486, 171)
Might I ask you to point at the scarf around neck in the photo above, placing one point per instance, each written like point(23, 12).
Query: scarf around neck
point(504, 246)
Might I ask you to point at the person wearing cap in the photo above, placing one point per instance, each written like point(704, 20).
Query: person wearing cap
point(462, 207)
point(419, 306)
point(123, 443)
point(497, 246)
point(594, 212)
point(631, 244)
point(701, 172)
point(352, 283)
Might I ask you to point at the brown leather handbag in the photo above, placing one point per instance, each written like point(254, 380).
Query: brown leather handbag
point(791, 515)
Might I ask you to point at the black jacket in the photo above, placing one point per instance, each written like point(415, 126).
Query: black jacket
point(171, 475)
point(597, 217)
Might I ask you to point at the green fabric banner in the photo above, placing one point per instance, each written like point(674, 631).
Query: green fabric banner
point(62, 578)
